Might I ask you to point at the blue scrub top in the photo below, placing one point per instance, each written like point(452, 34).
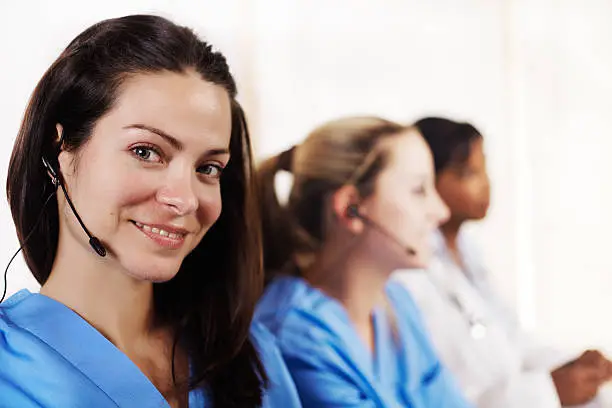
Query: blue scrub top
point(51, 357)
point(332, 367)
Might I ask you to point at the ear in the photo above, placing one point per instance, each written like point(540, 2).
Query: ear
point(53, 171)
point(341, 200)
point(64, 158)
point(60, 132)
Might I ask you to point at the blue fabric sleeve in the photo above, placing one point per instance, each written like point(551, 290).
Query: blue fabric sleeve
point(439, 388)
point(32, 376)
point(321, 384)
point(281, 391)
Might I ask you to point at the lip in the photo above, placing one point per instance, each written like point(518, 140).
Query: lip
point(174, 240)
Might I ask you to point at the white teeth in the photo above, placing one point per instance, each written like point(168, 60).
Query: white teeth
point(159, 231)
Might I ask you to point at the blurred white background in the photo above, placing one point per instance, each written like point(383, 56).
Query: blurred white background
point(535, 76)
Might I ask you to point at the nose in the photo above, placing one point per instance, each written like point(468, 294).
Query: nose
point(487, 185)
point(179, 195)
point(440, 212)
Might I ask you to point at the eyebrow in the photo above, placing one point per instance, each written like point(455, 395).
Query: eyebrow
point(174, 142)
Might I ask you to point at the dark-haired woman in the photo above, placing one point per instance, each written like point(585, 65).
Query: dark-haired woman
point(478, 338)
point(130, 189)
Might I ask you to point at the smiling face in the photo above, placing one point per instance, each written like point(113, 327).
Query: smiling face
point(147, 182)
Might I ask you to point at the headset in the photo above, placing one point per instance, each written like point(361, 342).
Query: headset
point(352, 211)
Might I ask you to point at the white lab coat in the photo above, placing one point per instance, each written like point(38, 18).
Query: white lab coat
point(504, 368)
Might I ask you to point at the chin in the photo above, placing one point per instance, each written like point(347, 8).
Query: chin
point(479, 217)
point(155, 272)
point(480, 213)
point(420, 260)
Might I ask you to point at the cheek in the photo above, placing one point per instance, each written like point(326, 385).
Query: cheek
point(111, 201)
point(102, 191)
point(458, 198)
point(408, 217)
point(210, 206)
point(399, 213)
point(415, 217)
point(472, 196)
point(127, 191)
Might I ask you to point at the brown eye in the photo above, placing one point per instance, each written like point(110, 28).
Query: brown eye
point(211, 170)
point(146, 153)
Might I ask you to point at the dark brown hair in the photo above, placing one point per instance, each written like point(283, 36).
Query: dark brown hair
point(211, 300)
point(450, 142)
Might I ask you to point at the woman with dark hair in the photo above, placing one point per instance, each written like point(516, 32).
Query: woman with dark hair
point(362, 204)
point(496, 364)
point(131, 191)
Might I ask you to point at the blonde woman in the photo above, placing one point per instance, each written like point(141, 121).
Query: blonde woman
point(363, 203)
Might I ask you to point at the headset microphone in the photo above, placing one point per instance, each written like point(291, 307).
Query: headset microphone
point(56, 179)
point(352, 211)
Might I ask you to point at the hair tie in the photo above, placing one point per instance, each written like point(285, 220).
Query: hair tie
point(285, 159)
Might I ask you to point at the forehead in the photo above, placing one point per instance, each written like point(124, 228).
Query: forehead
point(182, 104)
point(476, 154)
point(473, 156)
point(408, 154)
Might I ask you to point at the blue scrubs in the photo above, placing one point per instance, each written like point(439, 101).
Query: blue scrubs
point(281, 391)
point(51, 357)
point(332, 367)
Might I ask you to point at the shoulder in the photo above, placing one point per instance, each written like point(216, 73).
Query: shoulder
point(267, 346)
point(281, 390)
point(473, 256)
point(408, 313)
point(410, 320)
point(401, 299)
point(420, 287)
point(427, 375)
point(22, 354)
point(15, 339)
point(307, 325)
point(291, 307)
point(31, 372)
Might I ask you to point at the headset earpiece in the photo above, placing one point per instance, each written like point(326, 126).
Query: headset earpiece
point(352, 211)
point(51, 171)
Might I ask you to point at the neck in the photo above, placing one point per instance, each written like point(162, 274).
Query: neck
point(450, 231)
point(352, 278)
point(118, 306)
